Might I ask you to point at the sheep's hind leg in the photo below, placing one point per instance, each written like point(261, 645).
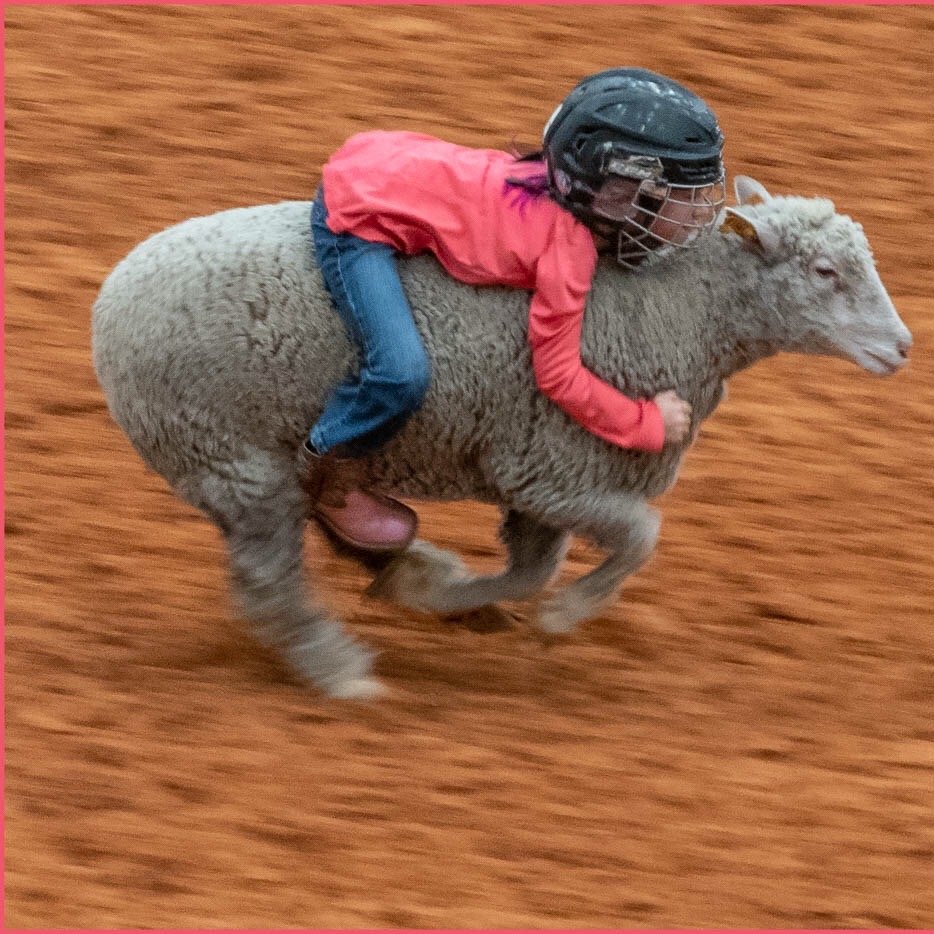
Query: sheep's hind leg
point(628, 528)
point(262, 512)
point(427, 579)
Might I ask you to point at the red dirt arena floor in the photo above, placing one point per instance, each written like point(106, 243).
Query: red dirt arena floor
point(745, 740)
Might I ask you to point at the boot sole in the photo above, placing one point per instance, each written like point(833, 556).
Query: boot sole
point(360, 548)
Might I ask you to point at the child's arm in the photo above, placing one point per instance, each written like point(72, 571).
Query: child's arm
point(555, 323)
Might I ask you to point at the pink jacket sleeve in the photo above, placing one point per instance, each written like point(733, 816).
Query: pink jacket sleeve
point(564, 275)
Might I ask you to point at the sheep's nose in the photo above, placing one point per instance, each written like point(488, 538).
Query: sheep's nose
point(904, 346)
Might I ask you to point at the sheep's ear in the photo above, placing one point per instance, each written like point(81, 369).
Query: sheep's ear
point(749, 191)
point(756, 232)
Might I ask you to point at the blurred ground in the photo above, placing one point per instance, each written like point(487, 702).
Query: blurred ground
point(745, 741)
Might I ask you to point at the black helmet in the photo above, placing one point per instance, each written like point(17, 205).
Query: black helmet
point(634, 124)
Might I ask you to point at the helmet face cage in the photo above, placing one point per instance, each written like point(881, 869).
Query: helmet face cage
point(652, 217)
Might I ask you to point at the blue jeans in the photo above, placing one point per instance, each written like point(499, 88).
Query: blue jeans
point(369, 407)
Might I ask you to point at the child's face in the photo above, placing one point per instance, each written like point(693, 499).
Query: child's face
point(684, 214)
point(658, 215)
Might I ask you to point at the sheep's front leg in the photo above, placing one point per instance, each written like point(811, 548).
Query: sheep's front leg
point(628, 528)
point(430, 580)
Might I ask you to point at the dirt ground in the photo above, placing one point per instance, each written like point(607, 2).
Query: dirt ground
point(746, 740)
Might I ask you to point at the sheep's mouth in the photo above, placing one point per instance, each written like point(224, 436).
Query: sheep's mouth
point(884, 366)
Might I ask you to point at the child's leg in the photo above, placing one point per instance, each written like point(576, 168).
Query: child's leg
point(363, 278)
point(366, 409)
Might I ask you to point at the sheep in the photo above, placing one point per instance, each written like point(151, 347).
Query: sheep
point(216, 345)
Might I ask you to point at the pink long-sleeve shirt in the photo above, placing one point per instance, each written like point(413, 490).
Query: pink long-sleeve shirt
point(417, 193)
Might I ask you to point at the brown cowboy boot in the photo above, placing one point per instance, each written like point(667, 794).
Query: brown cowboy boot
point(340, 501)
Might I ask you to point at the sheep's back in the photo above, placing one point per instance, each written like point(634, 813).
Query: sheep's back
point(219, 331)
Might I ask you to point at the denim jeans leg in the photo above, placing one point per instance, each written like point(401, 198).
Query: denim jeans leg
point(369, 406)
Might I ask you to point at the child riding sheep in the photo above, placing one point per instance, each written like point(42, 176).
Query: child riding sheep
point(631, 164)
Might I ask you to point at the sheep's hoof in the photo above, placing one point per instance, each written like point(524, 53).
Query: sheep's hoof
point(561, 614)
point(414, 577)
point(357, 689)
point(334, 662)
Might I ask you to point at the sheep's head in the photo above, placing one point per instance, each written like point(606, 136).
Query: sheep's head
point(831, 299)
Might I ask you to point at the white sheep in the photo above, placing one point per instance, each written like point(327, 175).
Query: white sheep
point(216, 345)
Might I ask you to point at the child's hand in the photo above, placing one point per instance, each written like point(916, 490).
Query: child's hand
point(676, 414)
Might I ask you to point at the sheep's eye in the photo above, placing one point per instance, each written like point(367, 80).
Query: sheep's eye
point(826, 272)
